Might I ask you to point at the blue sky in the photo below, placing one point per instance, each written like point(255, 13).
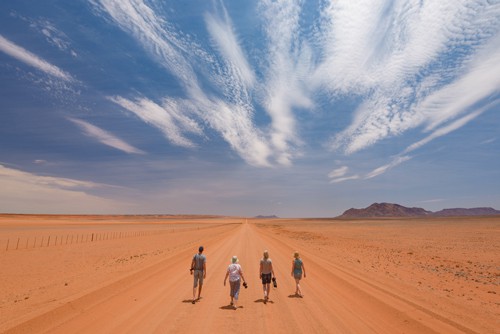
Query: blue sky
point(293, 108)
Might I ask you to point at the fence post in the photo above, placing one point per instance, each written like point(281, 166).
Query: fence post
point(48, 242)
point(41, 243)
point(7, 248)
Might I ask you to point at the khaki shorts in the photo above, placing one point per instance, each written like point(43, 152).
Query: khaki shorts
point(198, 277)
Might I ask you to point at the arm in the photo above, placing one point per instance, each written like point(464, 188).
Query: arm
point(225, 278)
point(304, 269)
point(205, 269)
point(241, 274)
point(260, 270)
point(192, 266)
point(293, 265)
point(272, 270)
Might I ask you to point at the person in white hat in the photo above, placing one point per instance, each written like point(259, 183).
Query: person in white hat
point(235, 274)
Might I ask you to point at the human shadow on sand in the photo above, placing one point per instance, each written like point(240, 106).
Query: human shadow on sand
point(191, 301)
point(295, 296)
point(229, 307)
point(262, 301)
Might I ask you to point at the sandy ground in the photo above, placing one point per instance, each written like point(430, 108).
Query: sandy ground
point(130, 275)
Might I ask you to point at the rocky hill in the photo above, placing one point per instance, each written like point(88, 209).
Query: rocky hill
point(467, 212)
point(396, 210)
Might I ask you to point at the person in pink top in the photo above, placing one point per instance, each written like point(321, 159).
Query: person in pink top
point(235, 274)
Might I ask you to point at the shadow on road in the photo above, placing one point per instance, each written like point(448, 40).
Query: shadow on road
point(262, 301)
point(229, 307)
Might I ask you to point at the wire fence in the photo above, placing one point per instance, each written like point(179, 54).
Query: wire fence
point(43, 241)
point(59, 239)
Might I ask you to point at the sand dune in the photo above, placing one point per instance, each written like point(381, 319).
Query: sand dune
point(375, 276)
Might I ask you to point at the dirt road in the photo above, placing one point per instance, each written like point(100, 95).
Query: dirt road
point(337, 298)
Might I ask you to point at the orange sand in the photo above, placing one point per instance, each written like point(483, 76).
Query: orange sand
point(437, 275)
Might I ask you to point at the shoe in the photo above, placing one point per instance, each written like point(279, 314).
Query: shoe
point(193, 301)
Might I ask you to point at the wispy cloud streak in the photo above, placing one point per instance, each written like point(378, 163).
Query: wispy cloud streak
point(32, 60)
point(31, 193)
point(411, 64)
point(105, 137)
point(159, 117)
point(231, 118)
point(382, 169)
point(392, 54)
point(288, 63)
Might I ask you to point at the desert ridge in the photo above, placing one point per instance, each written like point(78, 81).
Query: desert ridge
point(363, 276)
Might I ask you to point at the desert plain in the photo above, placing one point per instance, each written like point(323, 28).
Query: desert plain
point(130, 274)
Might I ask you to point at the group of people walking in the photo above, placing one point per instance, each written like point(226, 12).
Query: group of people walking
point(235, 274)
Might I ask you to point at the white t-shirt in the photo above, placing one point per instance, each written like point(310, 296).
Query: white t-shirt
point(234, 272)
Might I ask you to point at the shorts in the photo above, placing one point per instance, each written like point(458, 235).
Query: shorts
point(266, 278)
point(198, 277)
point(297, 275)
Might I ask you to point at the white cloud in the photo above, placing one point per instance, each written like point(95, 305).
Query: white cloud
point(105, 137)
point(222, 32)
point(23, 192)
point(447, 129)
point(289, 62)
point(479, 81)
point(392, 55)
point(160, 117)
point(382, 169)
point(488, 141)
point(341, 171)
point(410, 63)
point(346, 178)
point(339, 175)
point(233, 119)
point(30, 59)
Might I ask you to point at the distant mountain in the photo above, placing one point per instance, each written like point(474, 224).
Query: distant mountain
point(467, 212)
point(396, 210)
point(266, 217)
point(385, 210)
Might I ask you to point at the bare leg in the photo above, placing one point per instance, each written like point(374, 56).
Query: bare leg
point(268, 288)
point(297, 287)
point(199, 291)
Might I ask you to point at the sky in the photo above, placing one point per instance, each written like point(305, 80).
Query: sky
point(245, 108)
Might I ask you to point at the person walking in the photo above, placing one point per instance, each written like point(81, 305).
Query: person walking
point(297, 270)
point(199, 270)
point(265, 273)
point(235, 274)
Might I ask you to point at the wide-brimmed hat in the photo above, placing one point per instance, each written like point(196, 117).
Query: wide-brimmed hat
point(234, 259)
